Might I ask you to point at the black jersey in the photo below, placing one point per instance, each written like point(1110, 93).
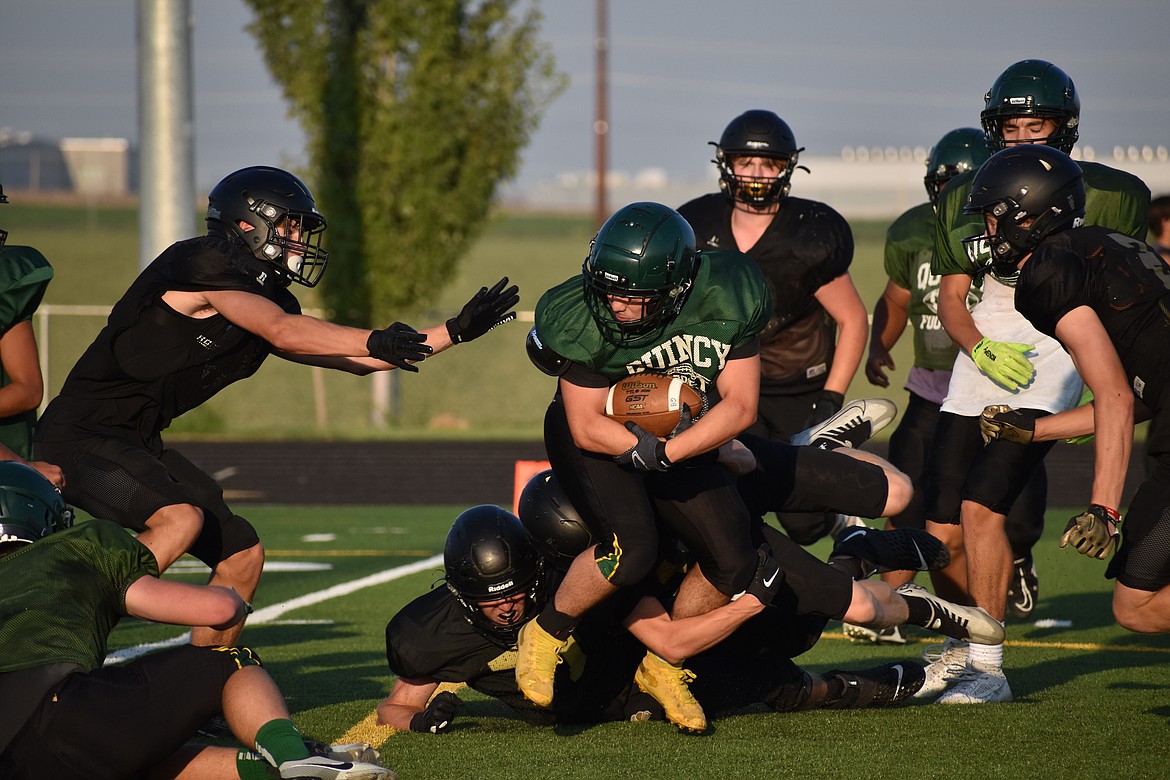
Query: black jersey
point(1123, 281)
point(806, 246)
point(150, 364)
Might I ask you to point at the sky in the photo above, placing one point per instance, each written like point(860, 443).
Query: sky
point(861, 73)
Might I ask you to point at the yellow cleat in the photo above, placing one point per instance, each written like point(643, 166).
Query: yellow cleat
point(536, 664)
point(667, 683)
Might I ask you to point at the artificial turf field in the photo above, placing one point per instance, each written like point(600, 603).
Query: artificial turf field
point(1092, 700)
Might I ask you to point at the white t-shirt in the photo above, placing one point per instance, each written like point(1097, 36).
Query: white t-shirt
point(1057, 385)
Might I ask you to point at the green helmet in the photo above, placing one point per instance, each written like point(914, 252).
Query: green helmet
point(1033, 88)
point(644, 252)
point(958, 151)
point(30, 507)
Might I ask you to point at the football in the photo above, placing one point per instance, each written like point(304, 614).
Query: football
point(653, 401)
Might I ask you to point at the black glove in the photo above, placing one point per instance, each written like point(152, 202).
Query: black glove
point(649, 454)
point(439, 714)
point(398, 344)
point(827, 404)
point(766, 582)
point(684, 421)
point(484, 311)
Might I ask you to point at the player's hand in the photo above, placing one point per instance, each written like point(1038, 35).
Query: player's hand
point(879, 360)
point(1006, 424)
point(828, 403)
point(649, 454)
point(486, 309)
point(439, 714)
point(684, 421)
point(1093, 532)
point(766, 581)
point(1004, 362)
point(399, 345)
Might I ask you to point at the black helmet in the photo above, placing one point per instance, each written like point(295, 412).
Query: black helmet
point(644, 251)
point(1033, 88)
point(1029, 181)
point(956, 152)
point(756, 133)
point(266, 199)
point(30, 507)
point(488, 557)
point(556, 529)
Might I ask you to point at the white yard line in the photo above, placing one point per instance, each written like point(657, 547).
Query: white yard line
point(274, 612)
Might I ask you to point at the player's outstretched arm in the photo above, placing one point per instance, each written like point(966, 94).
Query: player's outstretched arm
point(185, 604)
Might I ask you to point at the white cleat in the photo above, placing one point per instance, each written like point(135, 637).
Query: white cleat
point(978, 687)
point(851, 427)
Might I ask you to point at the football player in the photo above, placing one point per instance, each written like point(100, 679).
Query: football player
point(1106, 297)
point(24, 277)
point(804, 249)
point(911, 297)
point(206, 313)
point(64, 591)
point(1003, 359)
point(499, 573)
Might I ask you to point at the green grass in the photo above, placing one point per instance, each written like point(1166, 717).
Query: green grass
point(483, 390)
point(1092, 700)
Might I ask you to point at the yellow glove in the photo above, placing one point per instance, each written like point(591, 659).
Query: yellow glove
point(1004, 362)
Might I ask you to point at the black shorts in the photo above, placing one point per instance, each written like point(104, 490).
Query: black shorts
point(115, 723)
point(120, 481)
point(622, 507)
point(910, 451)
point(805, 479)
point(779, 417)
point(962, 468)
point(1143, 561)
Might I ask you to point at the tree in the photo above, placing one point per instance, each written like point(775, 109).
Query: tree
point(415, 111)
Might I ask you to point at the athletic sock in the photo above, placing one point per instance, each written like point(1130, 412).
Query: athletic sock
point(920, 611)
point(556, 623)
point(279, 741)
point(252, 766)
point(985, 658)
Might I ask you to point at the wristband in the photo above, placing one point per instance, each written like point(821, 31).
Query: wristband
point(1114, 515)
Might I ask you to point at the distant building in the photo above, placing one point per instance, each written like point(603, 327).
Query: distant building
point(84, 166)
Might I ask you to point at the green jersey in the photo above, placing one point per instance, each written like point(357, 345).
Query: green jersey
point(24, 277)
point(909, 246)
point(1113, 199)
point(726, 309)
point(64, 594)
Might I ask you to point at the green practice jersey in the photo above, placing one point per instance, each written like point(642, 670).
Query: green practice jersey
point(909, 246)
point(24, 277)
point(726, 309)
point(1113, 199)
point(64, 594)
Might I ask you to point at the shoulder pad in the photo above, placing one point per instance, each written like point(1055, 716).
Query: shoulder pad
point(544, 358)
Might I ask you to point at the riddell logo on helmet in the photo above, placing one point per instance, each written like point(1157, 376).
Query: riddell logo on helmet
point(758, 145)
point(501, 586)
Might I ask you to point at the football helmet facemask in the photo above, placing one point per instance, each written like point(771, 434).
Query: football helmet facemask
point(956, 152)
point(273, 214)
point(643, 254)
point(1030, 183)
point(489, 557)
point(3, 233)
point(553, 524)
point(1033, 88)
point(30, 507)
point(756, 133)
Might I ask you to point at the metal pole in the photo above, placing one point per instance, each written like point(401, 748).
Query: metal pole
point(601, 123)
point(166, 169)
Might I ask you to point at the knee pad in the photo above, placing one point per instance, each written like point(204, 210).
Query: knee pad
point(622, 566)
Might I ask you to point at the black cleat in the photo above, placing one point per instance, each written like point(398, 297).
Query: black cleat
point(902, 549)
point(881, 686)
point(1023, 589)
